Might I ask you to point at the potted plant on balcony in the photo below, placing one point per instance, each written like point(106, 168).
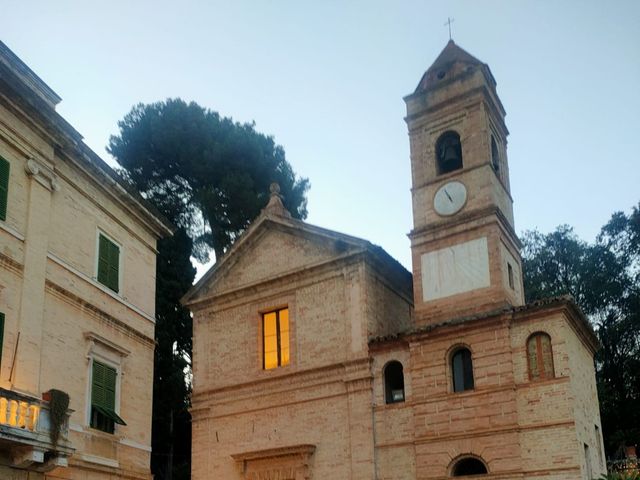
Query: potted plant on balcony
point(58, 406)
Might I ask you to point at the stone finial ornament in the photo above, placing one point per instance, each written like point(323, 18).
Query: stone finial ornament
point(275, 205)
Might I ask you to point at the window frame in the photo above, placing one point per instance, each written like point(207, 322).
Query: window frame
point(542, 374)
point(279, 348)
point(2, 327)
point(4, 196)
point(450, 361)
point(110, 238)
point(463, 458)
point(388, 394)
point(437, 145)
point(89, 414)
point(108, 353)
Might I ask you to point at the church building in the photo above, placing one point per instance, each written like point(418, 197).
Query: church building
point(317, 355)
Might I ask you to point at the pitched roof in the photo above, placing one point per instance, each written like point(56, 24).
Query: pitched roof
point(274, 214)
point(453, 60)
point(453, 53)
point(37, 99)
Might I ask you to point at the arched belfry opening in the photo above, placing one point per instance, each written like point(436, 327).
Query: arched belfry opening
point(468, 466)
point(393, 382)
point(495, 156)
point(448, 153)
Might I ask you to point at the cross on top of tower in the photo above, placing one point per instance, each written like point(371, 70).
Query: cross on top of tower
point(448, 23)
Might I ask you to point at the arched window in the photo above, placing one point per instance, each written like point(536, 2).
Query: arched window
point(495, 156)
point(468, 466)
point(462, 370)
point(448, 153)
point(540, 356)
point(393, 382)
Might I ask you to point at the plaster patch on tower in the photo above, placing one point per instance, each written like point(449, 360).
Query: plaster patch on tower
point(456, 269)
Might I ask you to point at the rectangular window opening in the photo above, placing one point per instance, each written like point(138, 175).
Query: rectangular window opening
point(587, 459)
point(599, 443)
point(1, 334)
point(108, 263)
point(103, 398)
point(275, 339)
point(4, 188)
point(510, 271)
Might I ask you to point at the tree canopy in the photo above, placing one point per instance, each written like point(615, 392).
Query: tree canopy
point(604, 279)
point(210, 176)
point(207, 173)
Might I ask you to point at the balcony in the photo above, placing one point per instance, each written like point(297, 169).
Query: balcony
point(25, 433)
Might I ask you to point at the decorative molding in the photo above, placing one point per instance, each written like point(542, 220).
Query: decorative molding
point(11, 264)
point(94, 337)
point(107, 462)
point(44, 175)
point(133, 444)
point(98, 313)
point(100, 287)
point(11, 231)
point(277, 463)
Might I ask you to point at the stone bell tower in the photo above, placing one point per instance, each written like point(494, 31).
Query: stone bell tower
point(465, 253)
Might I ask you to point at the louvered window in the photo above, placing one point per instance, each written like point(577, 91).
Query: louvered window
point(108, 263)
point(540, 356)
point(4, 188)
point(103, 398)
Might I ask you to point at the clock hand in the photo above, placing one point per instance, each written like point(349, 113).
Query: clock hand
point(448, 196)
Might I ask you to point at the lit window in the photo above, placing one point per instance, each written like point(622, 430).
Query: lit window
point(393, 382)
point(4, 188)
point(462, 370)
point(108, 263)
point(275, 338)
point(103, 398)
point(540, 356)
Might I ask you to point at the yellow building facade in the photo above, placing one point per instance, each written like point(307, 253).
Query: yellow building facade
point(77, 297)
point(316, 355)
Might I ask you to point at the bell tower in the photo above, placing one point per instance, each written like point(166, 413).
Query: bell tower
point(465, 252)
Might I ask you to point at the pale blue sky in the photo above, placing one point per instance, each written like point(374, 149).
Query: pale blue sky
point(327, 80)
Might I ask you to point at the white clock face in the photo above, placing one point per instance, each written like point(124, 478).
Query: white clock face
point(450, 198)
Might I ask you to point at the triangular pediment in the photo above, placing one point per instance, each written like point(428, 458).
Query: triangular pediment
point(269, 250)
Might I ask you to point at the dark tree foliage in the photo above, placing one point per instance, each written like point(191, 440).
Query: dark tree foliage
point(210, 176)
point(604, 279)
point(210, 173)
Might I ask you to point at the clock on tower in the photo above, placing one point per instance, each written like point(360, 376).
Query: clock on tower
point(466, 255)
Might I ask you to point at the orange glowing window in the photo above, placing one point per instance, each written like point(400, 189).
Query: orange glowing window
point(275, 338)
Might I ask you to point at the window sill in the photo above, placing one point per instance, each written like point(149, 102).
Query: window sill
point(92, 281)
point(101, 433)
point(11, 231)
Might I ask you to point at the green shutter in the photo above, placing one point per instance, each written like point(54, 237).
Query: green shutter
point(110, 388)
point(103, 391)
point(114, 266)
point(98, 394)
point(108, 263)
point(4, 187)
point(1, 333)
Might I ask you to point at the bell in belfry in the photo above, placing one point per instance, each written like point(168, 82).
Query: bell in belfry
point(449, 153)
